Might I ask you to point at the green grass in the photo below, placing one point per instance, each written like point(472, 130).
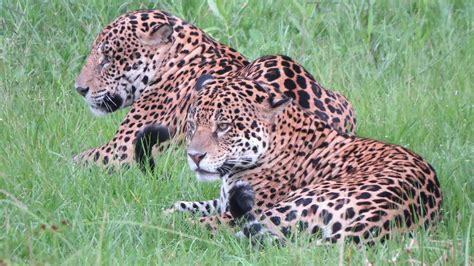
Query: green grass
point(407, 66)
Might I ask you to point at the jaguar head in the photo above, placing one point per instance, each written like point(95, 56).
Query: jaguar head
point(123, 60)
point(229, 126)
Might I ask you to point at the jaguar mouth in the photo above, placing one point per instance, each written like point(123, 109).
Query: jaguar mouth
point(108, 103)
point(226, 168)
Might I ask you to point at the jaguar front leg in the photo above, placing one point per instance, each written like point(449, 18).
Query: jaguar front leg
point(214, 222)
point(141, 126)
point(110, 155)
point(201, 208)
point(259, 233)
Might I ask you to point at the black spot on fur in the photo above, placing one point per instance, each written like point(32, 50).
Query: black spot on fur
point(275, 220)
point(290, 216)
point(336, 227)
point(283, 209)
point(272, 75)
point(304, 99)
point(350, 213)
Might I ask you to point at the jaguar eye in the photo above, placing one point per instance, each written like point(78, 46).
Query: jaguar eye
point(222, 127)
point(104, 61)
point(190, 127)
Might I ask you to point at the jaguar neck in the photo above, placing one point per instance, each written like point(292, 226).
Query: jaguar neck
point(302, 132)
point(295, 134)
point(209, 57)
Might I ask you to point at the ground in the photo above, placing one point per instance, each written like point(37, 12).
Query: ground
point(405, 65)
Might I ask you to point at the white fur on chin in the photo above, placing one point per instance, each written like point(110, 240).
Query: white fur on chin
point(207, 177)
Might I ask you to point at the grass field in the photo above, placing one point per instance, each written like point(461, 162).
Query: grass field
point(407, 66)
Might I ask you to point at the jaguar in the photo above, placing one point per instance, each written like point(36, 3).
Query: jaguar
point(284, 170)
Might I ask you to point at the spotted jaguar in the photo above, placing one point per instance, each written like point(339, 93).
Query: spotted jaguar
point(284, 170)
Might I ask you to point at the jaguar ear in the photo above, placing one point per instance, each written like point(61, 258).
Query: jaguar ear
point(274, 104)
point(158, 34)
point(202, 81)
point(277, 106)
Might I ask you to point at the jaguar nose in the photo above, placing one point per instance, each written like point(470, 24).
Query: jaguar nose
point(82, 91)
point(197, 157)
